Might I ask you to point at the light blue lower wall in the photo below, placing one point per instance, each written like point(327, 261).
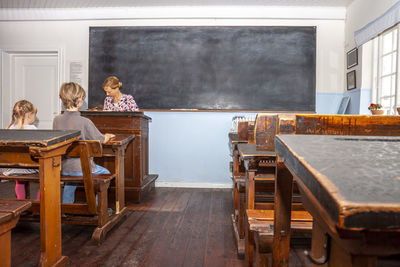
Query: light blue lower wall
point(328, 103)
point(192, 147)
point(360, 99)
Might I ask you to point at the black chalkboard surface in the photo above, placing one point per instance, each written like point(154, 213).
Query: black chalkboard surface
point(206, 68)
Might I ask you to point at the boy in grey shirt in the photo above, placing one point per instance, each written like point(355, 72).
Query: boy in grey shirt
point(72, 95)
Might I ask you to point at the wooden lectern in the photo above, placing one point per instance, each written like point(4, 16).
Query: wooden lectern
point(138, 181)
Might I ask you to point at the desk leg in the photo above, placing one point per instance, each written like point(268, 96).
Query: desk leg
point(5, 250)
point(282, 216)
point(50, 213)
point(338, 256)
point(5, 241)
point(119, 181)
point(250, 183)
point(250, 200)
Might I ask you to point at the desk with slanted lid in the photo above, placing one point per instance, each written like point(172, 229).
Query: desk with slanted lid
point(42, 148)
point(138, 181)
point(10, 209)
point(256, 162)
point(350, 185)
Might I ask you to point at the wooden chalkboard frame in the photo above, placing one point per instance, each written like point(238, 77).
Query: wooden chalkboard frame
point(287, 96)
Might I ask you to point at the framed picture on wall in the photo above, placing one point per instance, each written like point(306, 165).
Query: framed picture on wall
point(351, 80)
point(352, 58)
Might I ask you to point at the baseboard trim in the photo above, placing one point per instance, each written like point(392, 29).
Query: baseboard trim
point(193, 185)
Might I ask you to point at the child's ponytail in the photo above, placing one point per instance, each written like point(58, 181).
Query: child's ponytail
point(21, 108)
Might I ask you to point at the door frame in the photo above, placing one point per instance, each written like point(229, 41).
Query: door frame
point(6, 63)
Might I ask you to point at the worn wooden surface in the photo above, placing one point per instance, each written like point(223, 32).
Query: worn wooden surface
point(355, 178)
point(387, 125)
point(267, 125)
point(246, 131)
point(137, 179)
point(249, 151)
point(40, 138)
point(346, 184)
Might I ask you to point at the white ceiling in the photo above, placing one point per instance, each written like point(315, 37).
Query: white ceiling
point(144, 3)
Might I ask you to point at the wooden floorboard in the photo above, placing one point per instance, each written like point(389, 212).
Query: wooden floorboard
point(171, 227)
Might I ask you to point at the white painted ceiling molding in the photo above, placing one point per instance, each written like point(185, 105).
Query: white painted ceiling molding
point(154, 3)
point(178, 12)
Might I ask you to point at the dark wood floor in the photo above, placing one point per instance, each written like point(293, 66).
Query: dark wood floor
point(172, 227)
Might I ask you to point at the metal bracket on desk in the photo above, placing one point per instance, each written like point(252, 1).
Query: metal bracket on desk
point(54, 163)
point(324, 259)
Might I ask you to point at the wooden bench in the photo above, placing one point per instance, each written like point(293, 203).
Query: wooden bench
point(10, 210)
point(260, 168)
point(89, 212)
point(261, 224)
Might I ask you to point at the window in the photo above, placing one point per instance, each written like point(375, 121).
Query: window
point(385, 90)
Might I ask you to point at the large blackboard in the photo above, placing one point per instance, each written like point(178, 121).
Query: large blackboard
point(207, 68)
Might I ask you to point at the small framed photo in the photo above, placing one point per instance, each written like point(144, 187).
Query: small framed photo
point(352, 58)
point(351, 80)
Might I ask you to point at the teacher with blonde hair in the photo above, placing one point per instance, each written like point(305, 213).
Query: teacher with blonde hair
point(116, 100)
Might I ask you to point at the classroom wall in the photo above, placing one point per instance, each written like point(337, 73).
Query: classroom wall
point(359, 14)
point(191, 148)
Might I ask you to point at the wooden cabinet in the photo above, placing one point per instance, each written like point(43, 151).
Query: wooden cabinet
point(138, 181)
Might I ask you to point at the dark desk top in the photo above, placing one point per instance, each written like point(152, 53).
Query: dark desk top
point(114, 113)
point(355, 178)
point(39, 138)
point(120, 139)
point(234, 138)
point(248, 151)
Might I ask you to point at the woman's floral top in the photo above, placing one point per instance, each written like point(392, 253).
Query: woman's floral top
point(126, 103)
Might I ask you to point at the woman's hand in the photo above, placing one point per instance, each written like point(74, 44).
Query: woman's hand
point(107, 137)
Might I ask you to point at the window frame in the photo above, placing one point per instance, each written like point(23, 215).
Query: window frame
point(377, 68)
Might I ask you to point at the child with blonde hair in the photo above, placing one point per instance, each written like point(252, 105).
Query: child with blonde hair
point(23, 117)
point(72, 96)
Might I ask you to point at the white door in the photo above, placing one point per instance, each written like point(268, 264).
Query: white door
point(34, 77)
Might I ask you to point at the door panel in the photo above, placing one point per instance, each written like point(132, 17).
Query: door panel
point(34, 77)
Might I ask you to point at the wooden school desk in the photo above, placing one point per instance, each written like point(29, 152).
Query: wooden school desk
point(115, 149)
point(350, 185)
point(42, 148)
point(10, 209)
point(254, 161)
point(138, 181)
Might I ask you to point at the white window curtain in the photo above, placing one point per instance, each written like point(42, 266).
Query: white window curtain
point(372, 29)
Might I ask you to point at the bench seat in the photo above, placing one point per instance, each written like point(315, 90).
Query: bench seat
point(261, 232)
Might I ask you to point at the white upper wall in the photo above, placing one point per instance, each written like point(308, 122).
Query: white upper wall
point(362, 12)
point(47, 29)
point(359, 14)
